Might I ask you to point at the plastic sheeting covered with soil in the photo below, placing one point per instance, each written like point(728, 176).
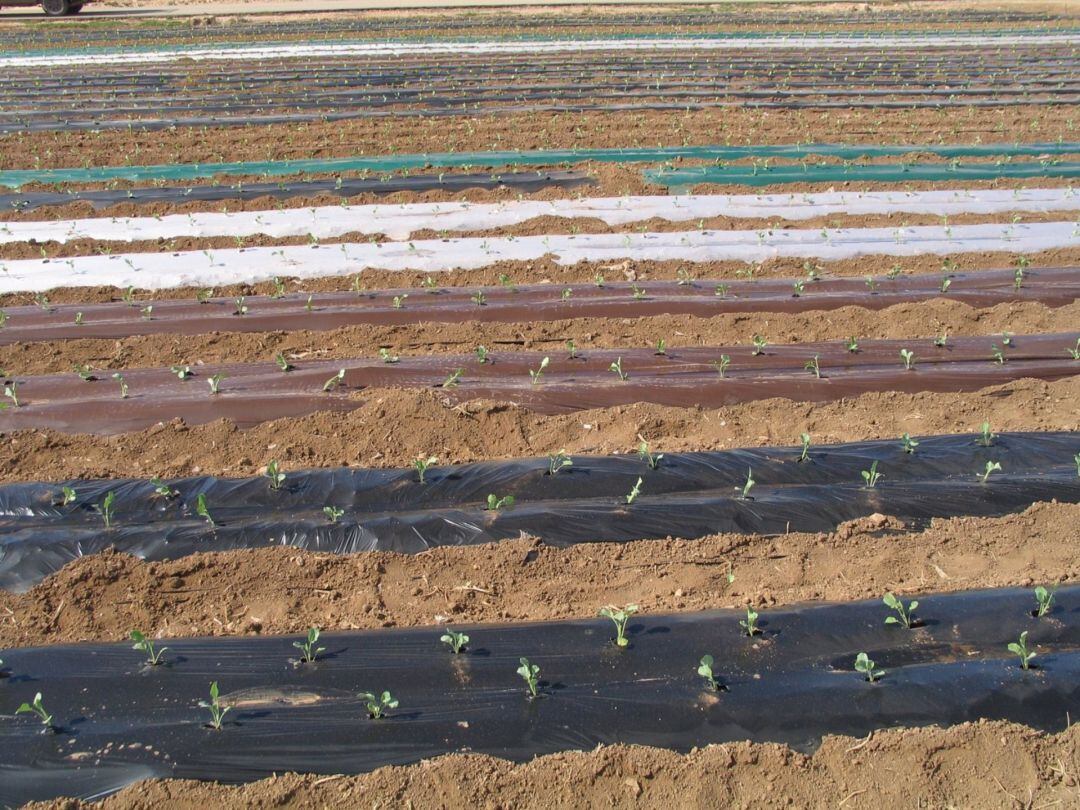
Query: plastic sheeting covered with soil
point(687, 495)
point(120, 721)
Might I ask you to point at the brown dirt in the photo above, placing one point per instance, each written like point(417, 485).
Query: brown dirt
point(912, 320)
point(540, 130)
point(282, 590)
point(391, 427)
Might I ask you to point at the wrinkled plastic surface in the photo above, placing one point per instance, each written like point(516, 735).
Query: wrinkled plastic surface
point(794, 683)
point(547, 157)
point(688, 495)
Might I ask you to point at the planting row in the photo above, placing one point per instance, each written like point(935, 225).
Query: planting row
point(153, 271)
point(402, 220)
point(510, 303)
point(240, 709)
point(86, 400)
point(561, 499)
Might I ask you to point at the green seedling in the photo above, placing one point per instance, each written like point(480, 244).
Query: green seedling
point(598, 280)
point(946, 282)
point(182, 372)
point(162, 490)
point(634, 492)
point(479, 298)
point(146, 645)
point(67, 495)
point(865, 667)
point(1044, 599)
point(308, 649)
point(986, 438)
point(215, 383)
point(871, 284)
point(85, 373)
point(705, 670)
point(991, 466)
point(279, 288)
point(653, 461)
point(909, 359)
point(452, 380)
point(3, 318)
point(282, 363)
point(1074, 352)
point(334, 381)
point(571, 350)
point(721, 290)
point(997, 354)
point(908, 443)
point(661, 348)
point(619, 616)
point(128, 296)
point(239, 307)
point(481, 354)
point(617, 369)
point(639, 292)
point(457, 641)
point(684, 279)
point(422, 464)
point(123, 384)
point(941, 340)
point(721, 365)
point(42, 301)
point(871, 476)
point(1020, 649)
point(147, 312)
point(530, 673)
point(217, 711)
point(749, 624)
point(78, 319)
point(507, 282)
point(749, 485)
point(535, 375)
point(202, 510)
point(1076, 460)
point(852, 344)
point(814, 366)
point(11, 391)
point(759, 345)
point(905, 615)
point(333, 513)
point(399, 301)
point(386, 357)
point(805, 439)
point(495, 503)
point(797, 288)
point(105, 509)
point(429, 284)
point(558, 462)
point(36, 708)
point(204, 296)
point(274, 473)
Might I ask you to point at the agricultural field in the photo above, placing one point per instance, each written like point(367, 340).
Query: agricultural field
point(551, 407)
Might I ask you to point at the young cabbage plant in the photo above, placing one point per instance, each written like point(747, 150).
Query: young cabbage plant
point(535, 375)
point(865, 667)
point(334, 381)
point(797, 288)
point(908, 443)
point(67, 495)
point(333, 513)
point(997, 354)
point(78, 318)
point(398, 301)
point(941, 340)
point(479, 298)
point(721, 290)
point(986, 437)
point(481, 354)
point(871, 476)
point(123, 384)
point(571, 350)
point(452, 380)
point(162, 490)
point(37, 708)
point(653, 461)
point(1020, 649)
point(634, 492)
point(909, 359)
point(558, 462)
point(105, 509)
point(429, 284)
point(147, 312)
point(871, 284)
point(217, 711)
point(619, 616)
point(496, 504)
point(904, 615)
point(639, 292)
point(146, 645)
point(744, 493)
point(946, 282)
point(309, 649)
point(182, 372)
point(617, 369)
point(215, 383)
point(85, 373)
point(239, 307)
point(813, 365)
point(204, 296)
point(202, 510)
point(1044, 601)
point(421, 465)
point(1076, 460)
point(749, 624)
point(721, 365)
point(457, 641)
point(661, 348)
point(11, 391)
point(530, 673)
point(991, 466)
point(705, 670)
point(852, 344)
point(274, 473)
point(759, 345)
point(282, 363)
point(805, 439)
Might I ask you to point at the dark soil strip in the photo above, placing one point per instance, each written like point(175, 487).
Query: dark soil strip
point(1053, 286)
point(287, 716)
point(688, 377)
point(688, 495)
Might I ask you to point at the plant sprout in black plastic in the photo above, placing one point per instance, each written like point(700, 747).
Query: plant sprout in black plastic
point(456, 641)
point(744, 493)
point(67, 495)
point(986, 437)
point(805, 439)
point(634, 492)
point(146, 645)
point(36, 707)
point(105, 509)
point(866, 667)
point(215, 383)
point(421, 465)
point(496, 504)
point(452, 380)
point(705, 670)
point(991, 466)
point(282, 363)
point(908, 443)
point(1074, 352)
point(749, 624)
point(538, 373)
point(377, 705)
point(813, 365)
point(309, 650)
point(274, 473)
point(558, 462)
point(202, 510)
point(908, 357)
point(217, 711)
point(1020, 649)
point(617, 369)
point(904, 615)
point(162, 490)
point(652, 460)
point(530, 673)
point(722, 365)
point(1076, 459)
point(872, 476)
point(1044, 600)
point(619, 616)
point(334, 381)
point(333, 513)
